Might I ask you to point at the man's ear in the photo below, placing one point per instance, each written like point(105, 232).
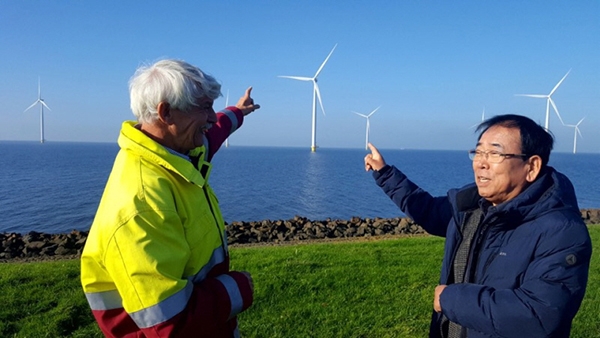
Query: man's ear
point(164, 112)
point(535, 166)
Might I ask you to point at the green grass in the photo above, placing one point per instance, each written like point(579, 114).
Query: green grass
point(343, 289)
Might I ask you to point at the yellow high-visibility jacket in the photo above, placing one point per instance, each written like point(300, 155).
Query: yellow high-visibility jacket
point(156, 263)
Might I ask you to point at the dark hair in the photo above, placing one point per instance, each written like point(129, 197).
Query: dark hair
point(535, 140)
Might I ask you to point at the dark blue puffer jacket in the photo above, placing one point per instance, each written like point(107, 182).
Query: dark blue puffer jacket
point(531, 254)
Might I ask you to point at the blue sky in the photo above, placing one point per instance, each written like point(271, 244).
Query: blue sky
point(432, 66)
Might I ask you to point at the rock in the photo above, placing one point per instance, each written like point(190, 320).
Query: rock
point(35, 245)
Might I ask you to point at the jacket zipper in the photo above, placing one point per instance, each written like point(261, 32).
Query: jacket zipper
point(480, 239)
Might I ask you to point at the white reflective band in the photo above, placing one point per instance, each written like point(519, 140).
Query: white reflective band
point(106, 300)
point(164, 310)
point(235, 296)
point(217, 257)
point(233, 118)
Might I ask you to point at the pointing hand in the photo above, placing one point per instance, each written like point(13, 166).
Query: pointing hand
point(374, 160)
point(246, 103)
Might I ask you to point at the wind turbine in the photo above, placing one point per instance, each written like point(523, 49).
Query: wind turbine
point(549, 101)
point(42, 105)
point(482, 119)
point(368, 125)
point(576, 126)
point(316, 94)
point(227, 105)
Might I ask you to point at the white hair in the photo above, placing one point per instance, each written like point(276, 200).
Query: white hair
point(173, 81)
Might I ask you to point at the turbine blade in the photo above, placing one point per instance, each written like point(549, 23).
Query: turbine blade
point(301, 78)
point(39, 89)
point(539, 96)
point(558, 84)
point(556, 110)
point(316, 86)
point(578, 123)
point(359, 114)
point(324, 62)
point(45, 105)
point(578, 132)
point(31, 106)
point(373, 112)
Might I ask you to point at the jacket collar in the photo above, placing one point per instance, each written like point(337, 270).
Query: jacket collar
point(550, 191)
point(133, 140)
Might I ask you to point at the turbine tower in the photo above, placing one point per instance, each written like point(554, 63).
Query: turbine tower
point(576, 126)
point(316, 95)
point(549, 101)
point(42, 105)
point(368, 125)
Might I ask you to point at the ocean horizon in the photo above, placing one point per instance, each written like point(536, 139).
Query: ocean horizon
point(55, 187)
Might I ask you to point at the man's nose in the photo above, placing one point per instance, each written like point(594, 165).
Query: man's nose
point(482, 161)
point(212, 116)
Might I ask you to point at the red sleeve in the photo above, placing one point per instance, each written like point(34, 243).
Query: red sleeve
point(228, 121)
point(211, 309)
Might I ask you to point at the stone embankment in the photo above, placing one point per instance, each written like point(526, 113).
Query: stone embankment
point(34, 246)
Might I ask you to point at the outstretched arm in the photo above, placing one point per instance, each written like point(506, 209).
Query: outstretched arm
point(412, 200)
point(229, 120)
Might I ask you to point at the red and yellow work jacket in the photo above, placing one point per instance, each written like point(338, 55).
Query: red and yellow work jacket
point(156, 262)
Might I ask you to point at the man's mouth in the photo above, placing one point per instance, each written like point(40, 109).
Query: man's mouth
point(483, 179)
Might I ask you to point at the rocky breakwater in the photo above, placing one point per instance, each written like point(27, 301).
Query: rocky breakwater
point(41, 246)
point(303, 229)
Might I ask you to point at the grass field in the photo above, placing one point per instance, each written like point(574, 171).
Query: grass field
point(378, 288)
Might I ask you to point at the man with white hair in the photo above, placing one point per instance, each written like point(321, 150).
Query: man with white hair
point(156, 262)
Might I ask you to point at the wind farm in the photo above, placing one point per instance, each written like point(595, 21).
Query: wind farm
point(368, 117)
point(42, 104)
point(316, 95)
point(394, 60)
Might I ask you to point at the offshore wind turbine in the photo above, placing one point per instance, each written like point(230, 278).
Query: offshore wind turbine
point(368, 125)
point(316, 95)
point(482, 119)
point(42, 105)
point(549, 101)
point(576, 126)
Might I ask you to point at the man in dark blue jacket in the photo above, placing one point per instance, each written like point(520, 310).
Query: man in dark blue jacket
point(517, 252)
